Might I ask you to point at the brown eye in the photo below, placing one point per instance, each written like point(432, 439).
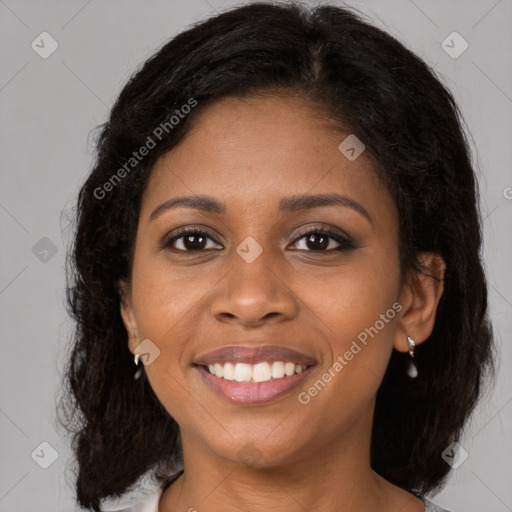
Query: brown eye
point(324, 240)
point(189, 240)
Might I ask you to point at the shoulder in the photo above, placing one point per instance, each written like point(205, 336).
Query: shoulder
point(431, 506)
point(146, 501)
point(144, 496)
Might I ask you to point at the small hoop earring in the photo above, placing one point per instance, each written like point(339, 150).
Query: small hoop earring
point(136, 360)
point(412, 370)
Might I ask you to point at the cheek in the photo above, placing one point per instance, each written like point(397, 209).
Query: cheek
point(357, 323)
point(353, 296)
point(361, 331)
point(158, 305)
point(170, 307)
point(167, 307)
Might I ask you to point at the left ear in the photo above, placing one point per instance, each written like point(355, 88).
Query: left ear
point(419, 298)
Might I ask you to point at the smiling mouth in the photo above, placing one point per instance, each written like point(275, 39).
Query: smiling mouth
point(265, 371)
point(254, 391)
point(253, 374)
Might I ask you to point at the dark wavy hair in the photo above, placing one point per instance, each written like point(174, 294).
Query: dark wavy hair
point(366, 82)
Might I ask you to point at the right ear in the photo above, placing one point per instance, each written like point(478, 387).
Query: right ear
point(127, 314)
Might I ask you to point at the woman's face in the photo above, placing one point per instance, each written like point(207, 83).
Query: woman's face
point(257, 278)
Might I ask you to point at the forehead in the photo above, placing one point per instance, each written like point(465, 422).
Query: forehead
point(259, 149)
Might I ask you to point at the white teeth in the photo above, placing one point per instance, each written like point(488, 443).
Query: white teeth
point(218, 369)
point(289, 368)
point(228, 371)
point(259, 372)
point(243, 372)
point(277, 370)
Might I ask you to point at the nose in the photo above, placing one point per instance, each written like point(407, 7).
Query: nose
point(253, 294)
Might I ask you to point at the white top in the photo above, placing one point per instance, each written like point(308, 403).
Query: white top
point(143, 498)
point(146, 496)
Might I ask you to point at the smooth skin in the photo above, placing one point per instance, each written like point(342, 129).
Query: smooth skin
point(249, 153)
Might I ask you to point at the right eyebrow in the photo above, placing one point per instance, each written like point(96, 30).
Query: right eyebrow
point(204, 203)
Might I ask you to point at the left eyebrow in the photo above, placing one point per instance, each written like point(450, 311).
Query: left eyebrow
point(307, 202)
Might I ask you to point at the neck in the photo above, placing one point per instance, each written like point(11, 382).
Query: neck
point(327, 477)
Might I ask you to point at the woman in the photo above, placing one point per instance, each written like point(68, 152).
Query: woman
point(281, 231)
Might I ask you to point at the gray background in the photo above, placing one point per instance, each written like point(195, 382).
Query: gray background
point(49, 107)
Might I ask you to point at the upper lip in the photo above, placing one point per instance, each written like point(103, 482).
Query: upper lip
point(253, 355)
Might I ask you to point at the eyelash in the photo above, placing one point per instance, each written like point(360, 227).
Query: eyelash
point(345, 242)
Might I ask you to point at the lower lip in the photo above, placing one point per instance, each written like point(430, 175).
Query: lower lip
point(253, 392)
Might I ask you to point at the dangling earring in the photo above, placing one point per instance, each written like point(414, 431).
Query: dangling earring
point(136, 360)
point(412, 371)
